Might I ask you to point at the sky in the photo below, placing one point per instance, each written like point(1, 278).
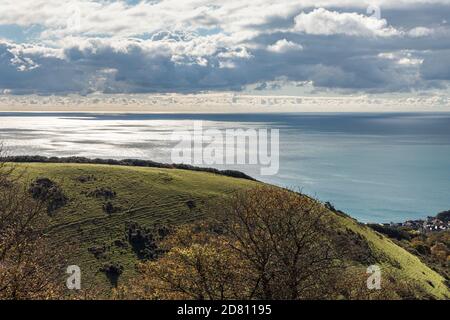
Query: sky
point(285, 47)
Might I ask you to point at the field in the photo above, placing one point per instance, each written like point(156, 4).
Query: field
point(153, 197)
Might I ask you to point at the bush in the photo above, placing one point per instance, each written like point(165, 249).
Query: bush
point(144, 242)
point(106, 193)
point(391, 232)
point(191, 204)
point(422, 249)
point(109, 208)
point(99, 252)
point(119, 243)
point(444, 216)
point(126, 162)
point(44, 189)
point(440, 252)
point(112, 268)
point(31, 264)
point(112, 272)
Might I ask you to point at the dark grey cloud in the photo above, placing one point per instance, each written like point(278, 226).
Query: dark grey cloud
point(25, 73)
point(337, 48)
point(436, 66)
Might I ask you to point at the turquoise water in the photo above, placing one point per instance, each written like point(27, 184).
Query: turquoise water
point(376, 167)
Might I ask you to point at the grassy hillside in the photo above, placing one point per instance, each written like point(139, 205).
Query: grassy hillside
point(153, 197)
point(149, 196)
point(399, 263)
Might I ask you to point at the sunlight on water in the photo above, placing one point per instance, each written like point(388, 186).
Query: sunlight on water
point(376, 167)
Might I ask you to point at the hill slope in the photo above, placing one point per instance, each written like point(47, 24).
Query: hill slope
point(154, 197)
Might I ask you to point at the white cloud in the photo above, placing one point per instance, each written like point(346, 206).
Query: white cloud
point(419, 32)
point(324, 22)
point(226, 102)
point(81, 46)
point(402, 58)
point(283, 46)
point(117, 18)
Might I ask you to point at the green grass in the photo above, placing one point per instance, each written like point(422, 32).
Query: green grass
point(153, 196)
point(399, 263)
point(148, 196)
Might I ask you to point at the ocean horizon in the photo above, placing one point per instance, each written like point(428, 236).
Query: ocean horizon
point(377, 167)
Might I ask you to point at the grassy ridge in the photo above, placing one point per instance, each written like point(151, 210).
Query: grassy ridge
point(148, 196)
point(154, 197)
point(399, 263)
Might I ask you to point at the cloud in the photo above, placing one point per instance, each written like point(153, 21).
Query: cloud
point(436, 66)
point(31, 68)
point(203, 45)
point(226, 102)
point(283, 46)
point(419, 32)
point(324, 22)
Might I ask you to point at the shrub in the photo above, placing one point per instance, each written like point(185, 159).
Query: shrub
point(440, 252)
point(126, 162)
point(44, 189)
point(191, 204)
point(143, 242)
point(30, 265)
point(112, 272)
point(109, 208)
point(99, 252)
point(444, 216)
point(421, 248)
point(106, 193)
point(120, 243)
point(391, 232)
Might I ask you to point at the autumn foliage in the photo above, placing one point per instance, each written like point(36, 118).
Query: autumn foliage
point(30, 268)
point(264, 243)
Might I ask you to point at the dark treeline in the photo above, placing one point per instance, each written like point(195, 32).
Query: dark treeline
point(125, 162)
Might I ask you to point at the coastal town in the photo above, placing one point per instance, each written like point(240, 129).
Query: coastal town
point(440, 222)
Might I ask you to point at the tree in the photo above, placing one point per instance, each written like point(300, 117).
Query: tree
point(199, 265)
point(440, 252)
point(30, 268)
point(287, 239)
point(264, 243)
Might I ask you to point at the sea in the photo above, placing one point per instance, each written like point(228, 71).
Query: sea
point(387, 167)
